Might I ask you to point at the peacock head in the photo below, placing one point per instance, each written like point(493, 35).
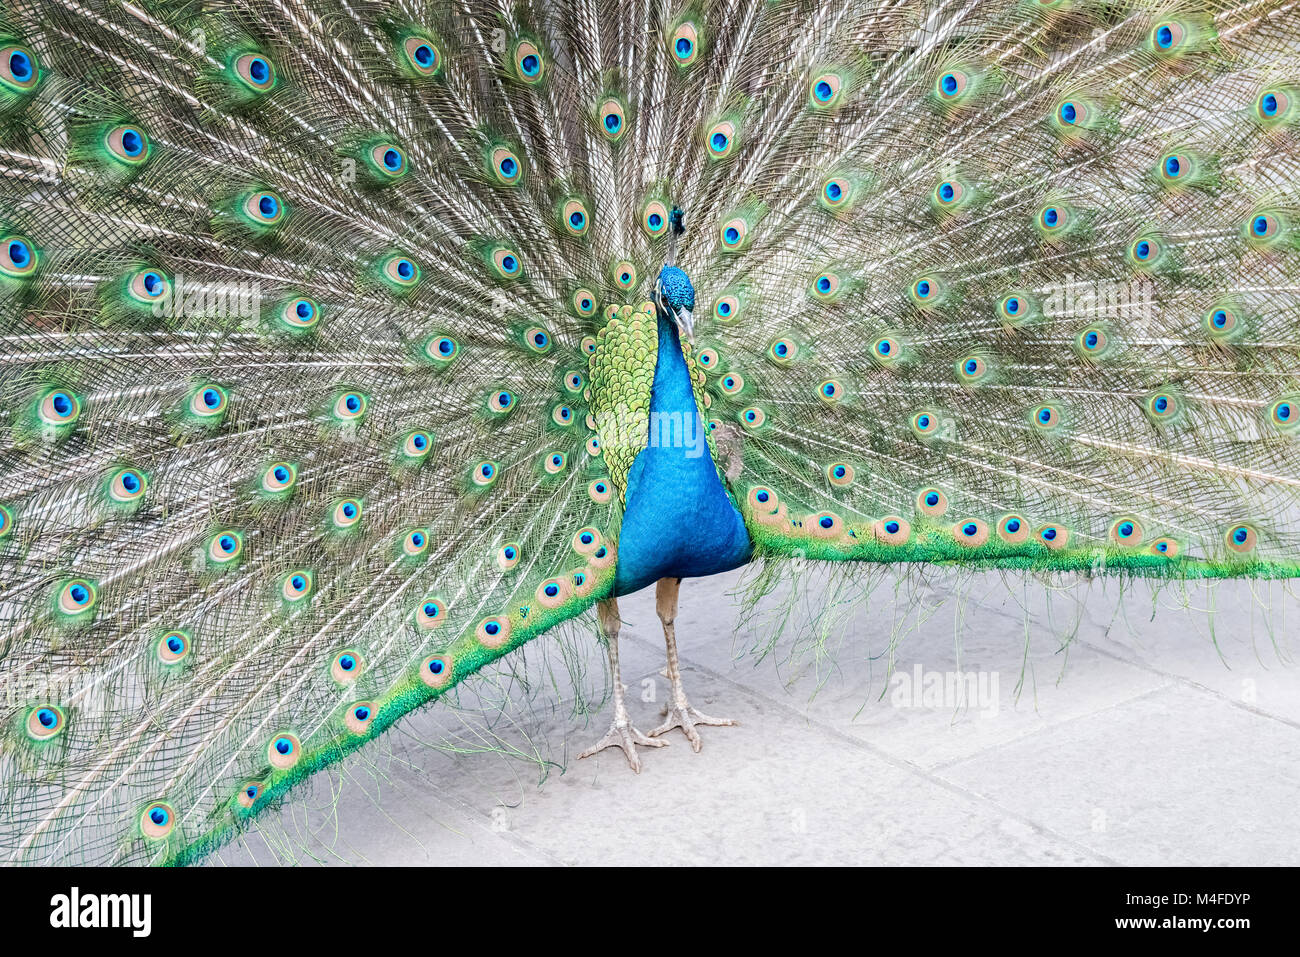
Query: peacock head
point(676, 297)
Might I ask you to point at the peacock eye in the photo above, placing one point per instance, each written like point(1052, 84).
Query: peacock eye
point(824, 91)
point(127, 144)
point(421, 55)
point(45, 722)
point(157, 821)
point(613, 119)
point(255, 71)
point(19, 69)
point(225, 547)
point(388, 160)
point(173, 647)
point(684, 44)
point(529, 64)
point(720, 138)
point(264, 208)
point(574, 217)
point(506, 167)
point(59, 407)
point(284, 751)
point(18, 257)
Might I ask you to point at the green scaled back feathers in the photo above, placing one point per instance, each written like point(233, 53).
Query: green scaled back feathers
point(327, 344)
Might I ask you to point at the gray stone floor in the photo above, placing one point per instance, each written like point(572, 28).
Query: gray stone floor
point(1166, 741)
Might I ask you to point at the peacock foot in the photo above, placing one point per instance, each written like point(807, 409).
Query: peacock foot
point(686, 717)
point(623, 735)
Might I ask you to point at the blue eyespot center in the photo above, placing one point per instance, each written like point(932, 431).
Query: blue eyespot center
point(530, 64)
point(949, 83)
point(1013, 526)
point(259, 70)
point(62, 403)
point(1051, 216)
point(79, 594)
point(267, 206)
point(552, 590)
point(417, 539)
point(724, 308)
point(826, 521)
point(1260, 225)
point(924, 422)
point(932, 499)
point(130, 481)
point(1240, 535)
point(352, 403)
point(436, 666)
point(424, 54)
point(283, 745)
point(1269, 104)
point(892, 528)
point(508, 167)
point(1013, 306)
point(19, 254)
point(971, 366)
point(762, 496)
point(346, 662)
point(362, 714)
point(1068, 113)
point(405, 268)
point(158, 816)
point(719, 141)
point(46, 717)
point(834, 190)
point(969, 529)
point(1284, 411)
point(612, 122)
point(923, 289)
point(1091, 340)
point(946, 192)
point(576, 219)
point(1143, 249)
point(175, 645)
point(132, 143)
point(683, 47)
point(509, 263)
point(392, 159)
point(430, 610)
point(1049, 534)
point(824, 91)
point(20, 66)
point(299, 583)
point(1165, 37)
point(492, 627)
point(1125, 529)
point(1172, 166)
point(211, 398)
point(1161, 403)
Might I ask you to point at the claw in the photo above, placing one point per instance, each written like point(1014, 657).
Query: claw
point(626, 738)
point(687, 718)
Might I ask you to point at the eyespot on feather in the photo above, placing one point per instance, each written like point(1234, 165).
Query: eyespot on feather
point(494, 632)
point(283, 751)
point(436, 671)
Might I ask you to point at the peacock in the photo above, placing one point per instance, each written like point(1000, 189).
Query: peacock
point(349, 346)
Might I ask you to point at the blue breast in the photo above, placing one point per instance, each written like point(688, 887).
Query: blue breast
point(679, 521)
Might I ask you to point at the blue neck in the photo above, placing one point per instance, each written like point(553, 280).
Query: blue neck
point(679, 521)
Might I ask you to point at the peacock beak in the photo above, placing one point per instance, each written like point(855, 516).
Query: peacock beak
point(686, 324)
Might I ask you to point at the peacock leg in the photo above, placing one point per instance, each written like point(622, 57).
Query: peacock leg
point(680, 713)
point(621, 734)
